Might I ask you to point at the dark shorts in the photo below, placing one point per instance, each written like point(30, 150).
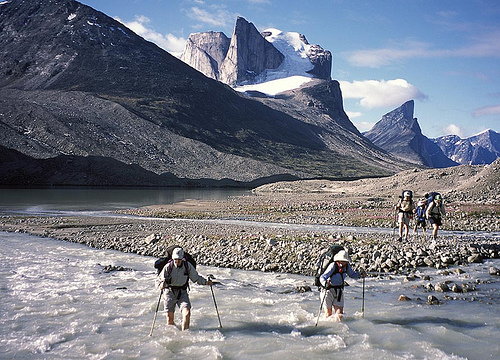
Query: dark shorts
point(421, 222)
point(435, 220)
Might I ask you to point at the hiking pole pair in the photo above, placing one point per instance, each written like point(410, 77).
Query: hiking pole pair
point(156, 313)
point(210, 277)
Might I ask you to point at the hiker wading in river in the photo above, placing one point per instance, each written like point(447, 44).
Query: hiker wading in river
point(332, 280)
point(174, 279)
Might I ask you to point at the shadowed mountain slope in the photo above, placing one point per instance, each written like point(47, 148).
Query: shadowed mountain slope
point(74, 81)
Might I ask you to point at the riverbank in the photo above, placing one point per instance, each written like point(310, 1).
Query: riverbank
point(204, 228)
point(257, 247)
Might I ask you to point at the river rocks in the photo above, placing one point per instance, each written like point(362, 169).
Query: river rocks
point(432, 300)
point(403, 298)
point(442, 287)
point(259, 248)
point(494, 271)
point(302, 288)
point(152, 239)
point(475, 258)
point(111, 268)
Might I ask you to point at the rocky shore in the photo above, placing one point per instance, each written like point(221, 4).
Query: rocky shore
point(257, 247)
point(267, 241)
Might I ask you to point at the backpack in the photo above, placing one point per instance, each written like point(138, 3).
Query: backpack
point(430, 198)
point(161, 262)
point(420, 210)
point(324, 261)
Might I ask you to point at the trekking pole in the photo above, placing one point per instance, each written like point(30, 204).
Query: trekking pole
point(210, 277)
point(320, 307)
point(156, 313)
point(394, 223)
point(363, 302)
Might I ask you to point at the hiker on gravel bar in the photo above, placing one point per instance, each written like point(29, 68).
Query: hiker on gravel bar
point(405, 207)
point(420, 217)
point(332, 280)
point(175, 279)
point(435, 212)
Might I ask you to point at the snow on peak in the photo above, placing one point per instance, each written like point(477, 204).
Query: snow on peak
point(292, 73)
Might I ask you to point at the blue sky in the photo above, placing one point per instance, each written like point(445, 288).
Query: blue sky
point(444, 54)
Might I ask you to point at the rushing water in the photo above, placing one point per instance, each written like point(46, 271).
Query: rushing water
point(56, 302)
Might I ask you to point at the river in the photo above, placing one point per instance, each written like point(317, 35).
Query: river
point(57, 302)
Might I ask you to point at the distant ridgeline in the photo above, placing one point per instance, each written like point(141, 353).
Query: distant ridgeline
point(399, 133)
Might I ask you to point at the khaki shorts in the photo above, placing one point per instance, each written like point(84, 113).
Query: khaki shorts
point(404, 218)
point(172, 298)
point(332, 297)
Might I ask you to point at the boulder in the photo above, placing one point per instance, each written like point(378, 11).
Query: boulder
point(432, 300)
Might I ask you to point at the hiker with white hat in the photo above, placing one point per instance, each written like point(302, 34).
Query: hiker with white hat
point(174, 279)
point(332, 280)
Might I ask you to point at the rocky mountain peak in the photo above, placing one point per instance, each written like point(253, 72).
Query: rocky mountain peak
point(249, 54)
point(205, 51)
point(483, 148)
point(254, 57)
point(399, 133)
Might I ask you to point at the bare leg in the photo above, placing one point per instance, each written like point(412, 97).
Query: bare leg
point(186, 318)
point(170, 318)
point(328, 312)
point(434, 231)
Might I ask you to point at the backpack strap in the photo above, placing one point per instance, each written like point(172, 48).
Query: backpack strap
point(337, 270)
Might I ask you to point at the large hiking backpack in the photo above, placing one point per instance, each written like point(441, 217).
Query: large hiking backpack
point(161, 262)
point(420, 210)
point(324, 261)
point(430, 198)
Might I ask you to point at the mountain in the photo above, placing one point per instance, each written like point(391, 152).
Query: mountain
point(483, 148)
point(399, 133)
point(77, 83)
point(250, 57)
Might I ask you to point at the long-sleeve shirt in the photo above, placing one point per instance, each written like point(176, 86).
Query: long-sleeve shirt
point(178, 277)
point(337, 279)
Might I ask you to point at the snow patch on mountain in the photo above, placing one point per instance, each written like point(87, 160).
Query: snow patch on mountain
point(292, 73)
point(277, 86)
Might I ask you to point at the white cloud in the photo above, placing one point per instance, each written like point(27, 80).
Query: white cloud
point(169, 42)
point(454, 130)
point(381, 57)
point(374, 93)
point(214, 17)
point(488, 110)
point(353, 114)
point(363, 126)
point(486, 45)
